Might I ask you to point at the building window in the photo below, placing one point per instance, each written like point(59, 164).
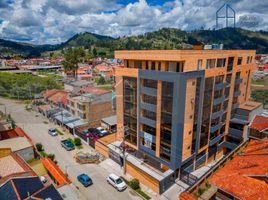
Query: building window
point(199, 64)
point(130, 108)
point(150, 83)
point(159, 66)
point(146, 65)
point(148, 114)
point(211, 63)
point(239, 61)
point(221, 62)
point(138, 64)
point(175, 66)
point(148, 99)
point(230, 64)
point(153, 66)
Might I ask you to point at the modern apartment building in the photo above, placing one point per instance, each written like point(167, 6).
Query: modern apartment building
point(175, 107)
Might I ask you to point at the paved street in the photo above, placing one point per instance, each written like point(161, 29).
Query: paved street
point(33, 124)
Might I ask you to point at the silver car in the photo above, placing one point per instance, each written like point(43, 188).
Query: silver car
point(52, 132)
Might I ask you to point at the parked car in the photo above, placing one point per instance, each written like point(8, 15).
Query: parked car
point(116, 182)
point(102, 132)
point(67, 144)
point(52, 132)
point(85, 180)
point(93, 134)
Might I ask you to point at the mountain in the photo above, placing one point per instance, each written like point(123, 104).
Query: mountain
point(10, 48)
point(166, 38)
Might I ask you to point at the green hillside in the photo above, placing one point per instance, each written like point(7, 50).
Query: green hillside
point(166, 38)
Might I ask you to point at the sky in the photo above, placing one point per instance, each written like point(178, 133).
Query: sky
point(55, 21)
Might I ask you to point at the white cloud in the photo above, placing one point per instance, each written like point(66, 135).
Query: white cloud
point(51, 21)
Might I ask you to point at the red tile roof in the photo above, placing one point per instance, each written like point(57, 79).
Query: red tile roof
point(13, 133)
point(259, 123)
point(55, 171)
point(187, 196)
point(60, 95)
point(238, 177)
point(49, 93)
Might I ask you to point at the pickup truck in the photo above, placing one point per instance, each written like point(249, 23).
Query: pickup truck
point(67, 144)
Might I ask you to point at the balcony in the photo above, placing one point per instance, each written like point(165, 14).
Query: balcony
point(236, 133)
point(149, 91)
point(237, 93)
point(148, 122)
point(200, 160)
point(235, 106)
point(216, 127)
point(217, 114)
point(220, 86)
point(146, 150)
point(215, 140)
point(219, 100)
point(148, 106)
point(238, 80)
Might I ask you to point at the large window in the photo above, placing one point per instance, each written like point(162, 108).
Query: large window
point(211, 63)
point(150, 83)
point(206, 112)
point(130, 109)
point(148, 99)
point(230, 64)
point(221, 62)
point(166, 120)
point(239, 61)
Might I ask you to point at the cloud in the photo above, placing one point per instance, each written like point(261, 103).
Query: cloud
point(50, 21)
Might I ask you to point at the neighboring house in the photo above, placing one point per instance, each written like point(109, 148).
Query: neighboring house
point(75, 86)
point(91, 106)
point(22, 188)
point(259, 127)
point(18, 141)
point(245, 176)
point(56, 97)
point(19, 145)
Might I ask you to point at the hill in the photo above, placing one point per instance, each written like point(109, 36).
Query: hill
point(166, 38)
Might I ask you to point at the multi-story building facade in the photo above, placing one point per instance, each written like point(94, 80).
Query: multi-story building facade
point(91, 107)
point(175, 106)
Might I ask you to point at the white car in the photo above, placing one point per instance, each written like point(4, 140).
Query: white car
point(117, 182)
point(102, 131)
point(52, 132)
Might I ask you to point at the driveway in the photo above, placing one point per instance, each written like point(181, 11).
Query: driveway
point(33, 124)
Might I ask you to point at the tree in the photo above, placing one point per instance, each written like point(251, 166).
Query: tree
point(72, 57)
point(77, 141)
point(94, 52)
point(100, 81)
point(39, 147)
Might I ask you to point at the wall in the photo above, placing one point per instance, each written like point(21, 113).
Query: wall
point(144, 178)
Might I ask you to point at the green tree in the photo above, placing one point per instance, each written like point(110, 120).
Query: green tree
point(94, 52)
point(100, 81)
point(77, 141)
point(39, 147)
point(72, 57)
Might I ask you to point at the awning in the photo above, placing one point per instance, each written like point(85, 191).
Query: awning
point(111, 121)
point(55, 172)
point(75, 124)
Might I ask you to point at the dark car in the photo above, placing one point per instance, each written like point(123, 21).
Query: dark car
point(67, 144)
point(85, 180)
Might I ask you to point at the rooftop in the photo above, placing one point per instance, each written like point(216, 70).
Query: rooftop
point(243, 176)
point(259, 123)
point(250, 105)
point(110, 120)
point(15, 144)
point(21, 188)
point(55, 171)
point(175, 55)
